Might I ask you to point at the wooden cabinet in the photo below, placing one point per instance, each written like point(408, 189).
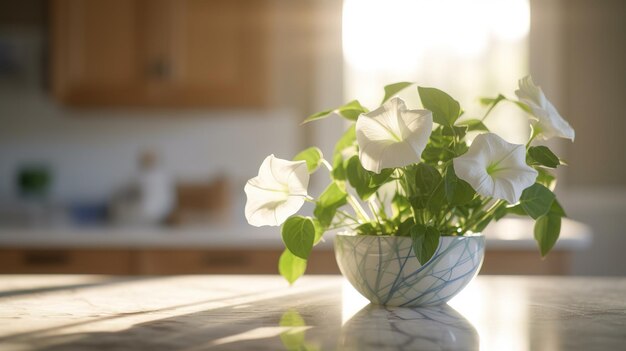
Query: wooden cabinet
point(160, 52)
point(166, 261)
point(231, 261)
point(66, 261)
point(154, 261)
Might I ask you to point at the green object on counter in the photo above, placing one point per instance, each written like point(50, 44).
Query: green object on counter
point(34, 181)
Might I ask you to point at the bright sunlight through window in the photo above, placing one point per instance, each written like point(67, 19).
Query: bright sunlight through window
point(463, 46)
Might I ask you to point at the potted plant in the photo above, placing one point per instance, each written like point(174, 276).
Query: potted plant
point(411, 193)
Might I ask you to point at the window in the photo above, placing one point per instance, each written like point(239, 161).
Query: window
point(467, 48)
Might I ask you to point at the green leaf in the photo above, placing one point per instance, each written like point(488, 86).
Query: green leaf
point(482, 225)
point(319, 231)
point(545, 178)
point(492, 101)
point(358, 178)
point(425, 242)
point(363, 181)
point(339, 171)
point(366, 229)
point(458, 191)
point(547, 230)
point(433, 154)
point(404, 229)
point(544, 156)
point(298, 235)
point(348, 139)
point(459, 131)
point(442, 147)
point(537, 200)
point(351, 110)
point(523, 106)
point(516, 210)
point(426, 178)
point(290, 266)
point(500, 212)
point(428, 188)
point(437, 199)
point(460, 149)
point(313, 157)
point(393, 89)
point(319, 115)
point(474, 125)
point(445, 109)
point(378, 179)
point(557, 209)
point(331, 199)
point(400, 206)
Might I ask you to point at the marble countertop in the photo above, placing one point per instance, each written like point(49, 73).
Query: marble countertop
point(508, 233)
point(317, 313)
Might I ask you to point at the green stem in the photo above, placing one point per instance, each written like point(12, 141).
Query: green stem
point(370, 204)
point(328, 166)
point(490, 212)
point(534, 131)
point(348, 216)
point(406, 190)
point(306, 197)
point(340, 226)
point(360, 212)
point(491, 109)
point(381, 206)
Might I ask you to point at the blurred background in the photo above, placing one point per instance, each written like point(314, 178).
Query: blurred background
point(128, 128)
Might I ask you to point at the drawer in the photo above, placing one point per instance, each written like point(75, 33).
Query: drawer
point(206, 261)
point(62, 261)
point(193, 261)
point(520, 262)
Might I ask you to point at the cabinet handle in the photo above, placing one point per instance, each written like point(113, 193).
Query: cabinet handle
point(160, 69)
point(46, 258)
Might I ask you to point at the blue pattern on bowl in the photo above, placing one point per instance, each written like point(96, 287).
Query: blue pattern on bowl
point(385, 270)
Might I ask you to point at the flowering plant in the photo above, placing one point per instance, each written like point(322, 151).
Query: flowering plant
point(414, 173)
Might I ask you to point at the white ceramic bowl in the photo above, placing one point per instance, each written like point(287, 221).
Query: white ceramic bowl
point(385, 270)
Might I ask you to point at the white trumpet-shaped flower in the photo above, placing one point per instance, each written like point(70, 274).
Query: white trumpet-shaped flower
point(277, 192)
point(495, 168)
point(392, 136)
point(547, 120)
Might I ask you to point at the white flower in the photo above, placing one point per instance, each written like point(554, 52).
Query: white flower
point(277, 192)
point(392, 136)
point(548, 121)
point(495, 168)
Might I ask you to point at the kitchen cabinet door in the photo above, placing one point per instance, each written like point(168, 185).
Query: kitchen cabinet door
point(94, 51)
point(219, 52)
point(161, 52)
point(65, 261)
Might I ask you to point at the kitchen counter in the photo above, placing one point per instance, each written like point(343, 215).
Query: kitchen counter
point(511, 249)
point(508, 233)
point(317, 313)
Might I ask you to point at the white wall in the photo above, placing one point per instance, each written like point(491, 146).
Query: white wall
point(92, 153)
point(578, 48)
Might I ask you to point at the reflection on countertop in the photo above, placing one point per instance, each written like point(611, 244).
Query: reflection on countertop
point(317, 313)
